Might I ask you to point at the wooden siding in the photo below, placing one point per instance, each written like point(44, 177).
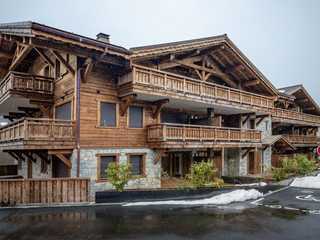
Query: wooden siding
point(44, 191)
point(100, 87)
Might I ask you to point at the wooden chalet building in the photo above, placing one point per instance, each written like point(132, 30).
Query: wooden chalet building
point(74, 104)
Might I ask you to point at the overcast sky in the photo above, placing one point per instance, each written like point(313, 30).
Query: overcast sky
point(282, 38)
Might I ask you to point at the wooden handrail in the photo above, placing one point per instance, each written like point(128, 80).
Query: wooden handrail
point(38, 129)
point(295, 138)
point(26, 82)
point(155, 78)
point(185, 132)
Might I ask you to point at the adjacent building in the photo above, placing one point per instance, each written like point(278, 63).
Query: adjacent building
point(74, 104)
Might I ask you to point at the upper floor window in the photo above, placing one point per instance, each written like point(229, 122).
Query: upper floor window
point(46, 71)
point(57, 69)
point(135, 117)
point(108, 114)
point(63, 111)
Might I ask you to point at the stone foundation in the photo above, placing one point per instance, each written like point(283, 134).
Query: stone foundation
point(89, 161)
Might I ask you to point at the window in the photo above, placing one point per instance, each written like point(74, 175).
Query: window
point(58, 69)
point(47, 71)
point(108, 114)
point(135, 117)
point(103, 163)
point(63, 111)
point(267, 125)
point(137, 164)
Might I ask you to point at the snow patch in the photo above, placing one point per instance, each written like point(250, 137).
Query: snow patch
point(258, 184)
point(222, 199)
point(307, 182)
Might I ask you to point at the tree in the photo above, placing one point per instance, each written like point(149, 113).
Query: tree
point(118, 175)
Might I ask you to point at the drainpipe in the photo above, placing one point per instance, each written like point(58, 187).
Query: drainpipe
point(78, 119)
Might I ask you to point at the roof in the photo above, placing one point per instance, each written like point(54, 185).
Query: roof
point(32, 29)
point(200, 43)
point(271, 140)
point(293, 90)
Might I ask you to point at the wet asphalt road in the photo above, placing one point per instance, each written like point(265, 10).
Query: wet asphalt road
point(296, 198)
point(164, 222)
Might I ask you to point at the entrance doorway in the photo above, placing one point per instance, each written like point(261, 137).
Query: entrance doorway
point(251, 163)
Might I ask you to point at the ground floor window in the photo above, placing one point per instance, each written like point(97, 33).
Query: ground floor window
point(103, 162)
point(137, 164)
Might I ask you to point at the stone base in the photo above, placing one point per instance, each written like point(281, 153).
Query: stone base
point(89, 168)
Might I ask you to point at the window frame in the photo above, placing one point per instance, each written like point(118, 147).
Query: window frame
point(143, 117)
point(143, 173)
point(99, 114)
point(99, 156)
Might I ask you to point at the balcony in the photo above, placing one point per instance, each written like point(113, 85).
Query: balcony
point(17, 89)
point(148, 81)
point(32, 133)
point(303, 140)
point(286, 115)
point(151, 84)
point(167, 135)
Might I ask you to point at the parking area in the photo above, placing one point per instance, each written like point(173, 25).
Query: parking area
point(293, 198)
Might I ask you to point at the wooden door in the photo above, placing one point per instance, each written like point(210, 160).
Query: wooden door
point(29, 169)
point(251, 160)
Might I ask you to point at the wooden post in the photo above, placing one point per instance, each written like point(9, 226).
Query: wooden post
point(222, 161)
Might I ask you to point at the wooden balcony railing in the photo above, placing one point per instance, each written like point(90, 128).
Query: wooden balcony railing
point(26, 83)
point(175, 83)
point(303, 139)
point(41, 130)
point(180, 132)
point(292, 115)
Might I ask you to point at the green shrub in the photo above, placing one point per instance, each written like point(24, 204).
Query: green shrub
point(305, 166)
point(298, 165)
point(278, 173)
point(201, 173)
point(118, 175)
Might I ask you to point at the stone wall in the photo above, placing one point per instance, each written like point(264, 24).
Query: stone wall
point(36, 169)
point(88, 168)
point(231, 162)
point(266, 159)
point(265, 127)
point(243, 165)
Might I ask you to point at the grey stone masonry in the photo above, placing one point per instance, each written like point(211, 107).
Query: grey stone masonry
point(89, 161)
point(36, 169)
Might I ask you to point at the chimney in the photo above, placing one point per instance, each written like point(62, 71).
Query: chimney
point(102, 37)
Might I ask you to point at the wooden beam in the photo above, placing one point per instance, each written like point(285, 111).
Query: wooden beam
point(62, 151)
point(89, 66)
point(6, 55)
point(44, 56)
point(223, 76)
point(64, 62)
point(125, 103)
point(30, 156)
point(64, 159)
point(261, 118)
point(20, 54)
point(158, 106)
point(246, 152)
point(251, 83)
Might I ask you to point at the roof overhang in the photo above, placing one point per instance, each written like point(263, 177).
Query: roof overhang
point(299, 93)
point(222, 41)
point(277, 139)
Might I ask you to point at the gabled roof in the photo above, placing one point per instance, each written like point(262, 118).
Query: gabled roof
point(271, 140)
point(295, 89)
point(200, 43)
point(32, 29)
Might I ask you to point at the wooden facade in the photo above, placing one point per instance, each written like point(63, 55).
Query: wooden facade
point(216, 94)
